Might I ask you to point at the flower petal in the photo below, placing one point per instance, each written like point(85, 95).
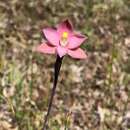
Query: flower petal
point(75, 41)
point(52, 36)
point(77, 53)
point(46, 48)
point(61, 51)
point(65, 26)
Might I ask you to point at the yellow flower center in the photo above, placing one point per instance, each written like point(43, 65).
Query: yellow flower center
point(65, 35)
point(64, 38)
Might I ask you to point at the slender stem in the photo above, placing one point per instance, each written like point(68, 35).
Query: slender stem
point(56, 74)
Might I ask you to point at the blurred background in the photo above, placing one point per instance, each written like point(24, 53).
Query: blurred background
point(93, 94)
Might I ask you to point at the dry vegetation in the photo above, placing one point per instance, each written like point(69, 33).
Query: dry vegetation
point(92, 94)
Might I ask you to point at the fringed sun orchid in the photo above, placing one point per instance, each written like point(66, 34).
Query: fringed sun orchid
point(61, 41)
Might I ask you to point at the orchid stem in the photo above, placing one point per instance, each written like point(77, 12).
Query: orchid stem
point(56, 74)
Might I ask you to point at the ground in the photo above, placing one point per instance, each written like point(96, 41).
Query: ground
point(92, 94)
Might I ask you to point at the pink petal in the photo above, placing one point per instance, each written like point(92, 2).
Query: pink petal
point(77, 53)
point(61, 51)
point(46, 48)
point(75, 41)
point(65, 26)
point(52, 36)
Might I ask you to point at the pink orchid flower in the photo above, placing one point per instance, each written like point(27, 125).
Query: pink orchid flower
point(63, 40)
